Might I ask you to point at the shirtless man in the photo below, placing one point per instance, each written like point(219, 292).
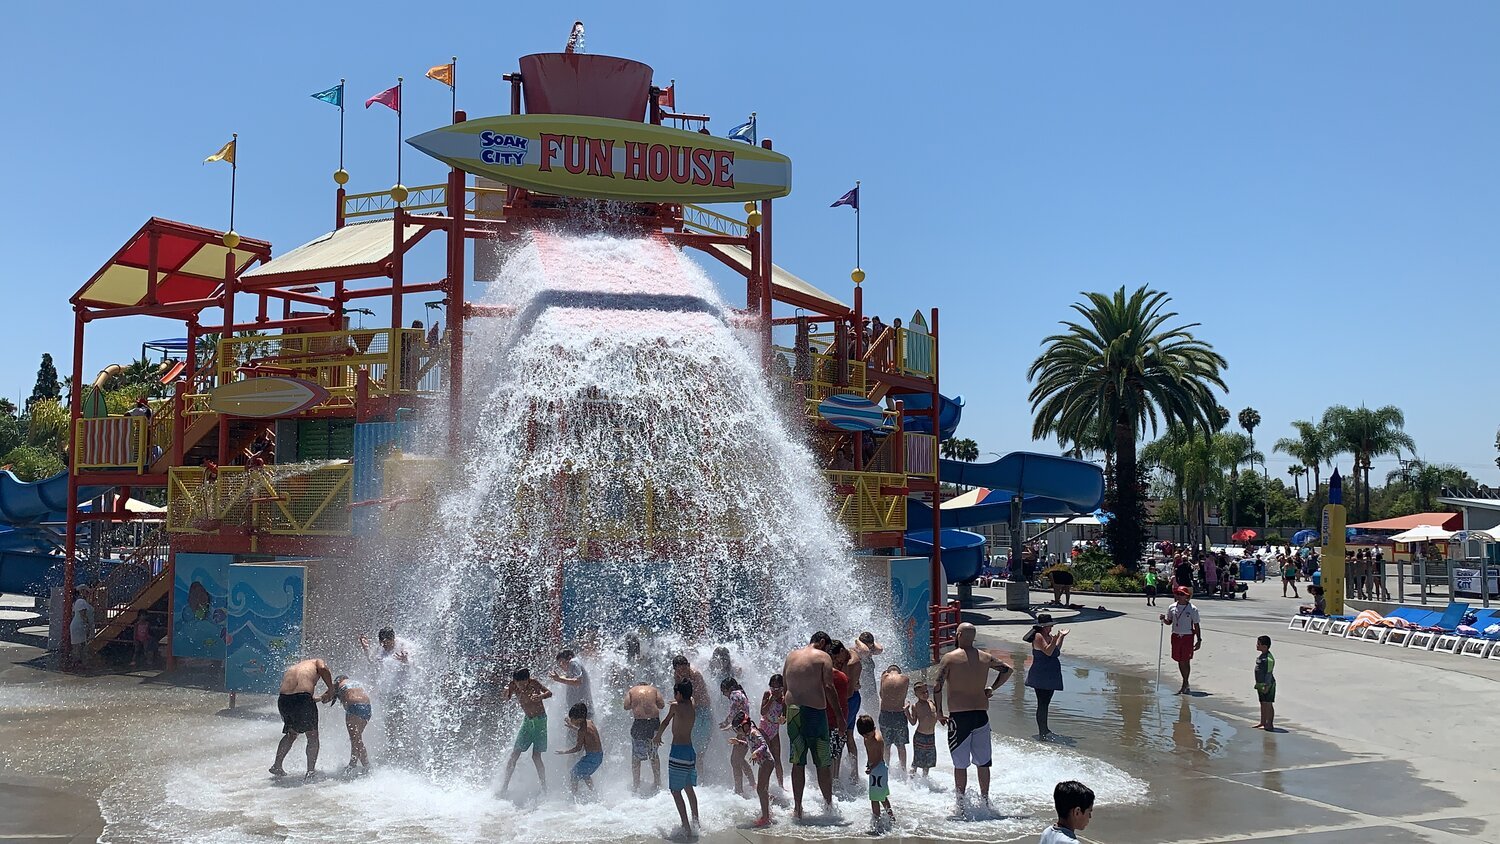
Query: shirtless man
point(644, 703)
point(894, 687)
point(963, 672)
point(809, 695)
point(530, 693)
point(299, 711)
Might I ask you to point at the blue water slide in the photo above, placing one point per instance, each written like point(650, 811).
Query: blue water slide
point(28, 564)
point(964, 552)
point(46, 500)
point(1049, 486)
point(950, 412)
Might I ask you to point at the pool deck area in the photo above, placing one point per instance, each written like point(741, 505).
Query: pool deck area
point(1377, 744)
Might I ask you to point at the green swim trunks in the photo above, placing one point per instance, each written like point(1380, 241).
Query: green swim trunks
point(808, 730)
point(533, 735)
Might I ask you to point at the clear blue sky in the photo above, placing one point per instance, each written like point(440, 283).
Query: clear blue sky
point(1315, 183)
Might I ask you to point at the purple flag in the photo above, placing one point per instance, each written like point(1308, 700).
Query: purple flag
point(850, 199)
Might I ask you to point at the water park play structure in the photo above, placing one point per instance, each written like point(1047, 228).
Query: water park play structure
point(597, 429)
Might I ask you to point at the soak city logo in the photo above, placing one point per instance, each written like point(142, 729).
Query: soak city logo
point(498, 148)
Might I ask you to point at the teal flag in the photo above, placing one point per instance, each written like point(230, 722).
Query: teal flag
point(332, 96)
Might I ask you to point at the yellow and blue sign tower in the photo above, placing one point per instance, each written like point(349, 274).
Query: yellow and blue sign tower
point(1334, 518)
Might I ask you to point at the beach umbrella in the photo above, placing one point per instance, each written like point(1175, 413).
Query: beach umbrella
point(1243, 535)
point(1423, 533)
point(1304, 537)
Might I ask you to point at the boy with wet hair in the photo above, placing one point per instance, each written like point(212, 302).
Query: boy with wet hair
point(682, 760)
point(530, 693)
point(1075, 808)
point(1265, 683)
point(879, 774)
point(924, 740)
point(588, 742)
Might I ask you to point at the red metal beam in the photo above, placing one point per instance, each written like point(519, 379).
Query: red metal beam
point(175, 310)
point(424, 287)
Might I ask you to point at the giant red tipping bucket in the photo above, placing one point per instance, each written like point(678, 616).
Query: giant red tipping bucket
point(579, 83)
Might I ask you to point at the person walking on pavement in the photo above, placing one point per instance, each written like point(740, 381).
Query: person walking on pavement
point(1187, 633)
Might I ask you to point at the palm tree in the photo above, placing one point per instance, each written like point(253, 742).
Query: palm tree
point(960, 448)
point(1367, 434)
point(1116, 372)
point(1426, 480)
point(1310, 448)
point(1231, 451)
point(1297, 470)
point(1203, 469)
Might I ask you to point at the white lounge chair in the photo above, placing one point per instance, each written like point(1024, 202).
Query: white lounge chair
point(1399, 637)
point(1448, 643)
point(1339, 627)
point(1319, 624)
point(1478, 647)
point(1422, 640)
point(1299, 622)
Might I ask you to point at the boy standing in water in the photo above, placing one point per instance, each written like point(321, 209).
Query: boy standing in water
point(529, 693)
point(588, 741)
point(1265, 683)
point(924, 741)
point(644, 703)
point(1075, 808)
point(880, 775)
point(682, 761)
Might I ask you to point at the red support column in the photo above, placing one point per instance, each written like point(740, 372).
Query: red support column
point(179, 419)
point(338, 212)
point(70, 535)
point(456, 272)
point(153, 242)
point(938, 599)
point(227, 302)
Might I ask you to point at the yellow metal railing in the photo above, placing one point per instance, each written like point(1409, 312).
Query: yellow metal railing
point(314, 502)
point(482, 202)
point(712, 222)
point(864, 506)
point(111, 442)
point(332, 359)
point(817, 372)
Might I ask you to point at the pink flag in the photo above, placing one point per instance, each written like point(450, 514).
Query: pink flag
point(390, 98)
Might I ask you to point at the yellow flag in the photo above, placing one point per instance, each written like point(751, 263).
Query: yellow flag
point(225, 153)
point(442, 73)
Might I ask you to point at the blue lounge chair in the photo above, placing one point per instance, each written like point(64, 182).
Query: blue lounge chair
point(1426, 638)
point(1400, 637)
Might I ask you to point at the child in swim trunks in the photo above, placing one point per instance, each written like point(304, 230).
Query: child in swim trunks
point(924, 740)
point(357, 713)
point(753, 741)
point(530, 693)
point(682, 761)
point(879, 774)
point(589, 743)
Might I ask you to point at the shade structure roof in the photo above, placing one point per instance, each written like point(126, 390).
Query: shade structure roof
point(358, 249)
point(189, 266)
point(786, 287)
point(1446, 521)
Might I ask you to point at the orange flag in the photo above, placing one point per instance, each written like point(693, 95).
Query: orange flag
point(442, 73)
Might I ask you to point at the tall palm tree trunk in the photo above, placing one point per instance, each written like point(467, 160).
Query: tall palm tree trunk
point(1127, 493)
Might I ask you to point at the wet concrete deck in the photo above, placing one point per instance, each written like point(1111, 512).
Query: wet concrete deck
point(1380, 744)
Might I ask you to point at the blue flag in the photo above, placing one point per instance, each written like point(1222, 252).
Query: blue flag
point(744, 132)
point(850, 199)
point(333, 96)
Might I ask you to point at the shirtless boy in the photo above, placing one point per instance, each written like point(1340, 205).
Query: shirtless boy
point(588, 742)
point(682, 760)
point(644, 703)
point(810, 695)
point(963, 673)
point(299, 712)
point(924, 741)
point(893, 727)
point(529, 693)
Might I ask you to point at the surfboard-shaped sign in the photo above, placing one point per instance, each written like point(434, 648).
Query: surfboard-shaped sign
point(266, 397)
point(851, 413)
point(574, 155)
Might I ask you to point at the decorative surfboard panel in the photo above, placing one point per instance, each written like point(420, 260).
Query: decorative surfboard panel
point(851, 413)
point(574, 155)
point(267, 397)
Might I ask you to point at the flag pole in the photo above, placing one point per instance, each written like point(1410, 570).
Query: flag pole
point(234, 169)
point(341, 124)
point(856, 225)
point(399, 83)
point(453, 90)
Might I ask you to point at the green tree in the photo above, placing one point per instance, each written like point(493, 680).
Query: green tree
point(1114, 373)
point(7, 407)
point(47, 386)
point(30, 463)
point(1297, 470)
point(960, 448)
point(1425, 482)
point(1309, 448)
point(1367, 434)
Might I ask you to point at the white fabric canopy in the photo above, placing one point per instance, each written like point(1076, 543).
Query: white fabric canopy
point(1422, 533)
